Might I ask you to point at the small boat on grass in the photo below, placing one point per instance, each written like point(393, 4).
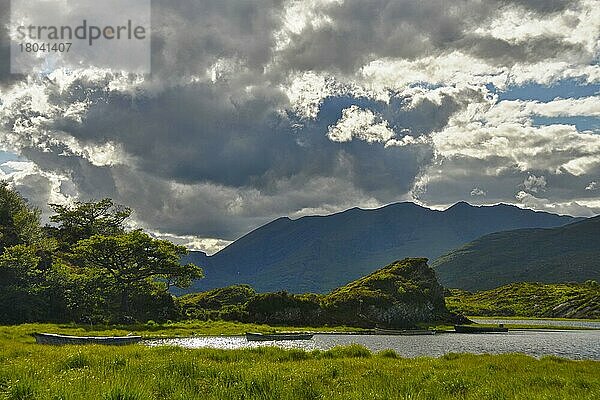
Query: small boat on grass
point(479, 329)
point(404, 332)
point(54, 339)
point(263, 337)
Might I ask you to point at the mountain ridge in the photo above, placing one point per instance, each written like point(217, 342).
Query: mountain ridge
point(318, 253)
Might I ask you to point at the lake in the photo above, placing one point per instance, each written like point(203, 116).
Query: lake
point(569, 344)
point(548, 322)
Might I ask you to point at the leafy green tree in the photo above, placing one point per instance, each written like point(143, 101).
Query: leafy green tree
point(30, 290)
point(26, 257)
point(19, 223)
point(133, 263)
point(82, 220)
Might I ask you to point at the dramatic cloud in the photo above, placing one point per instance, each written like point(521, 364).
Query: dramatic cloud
point(535, 184)
point(263, 108)
point(360, 124)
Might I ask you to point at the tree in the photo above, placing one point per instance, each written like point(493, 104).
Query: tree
point(82, 220)
point(26, 257)
point(29, 288)
point(128, 263)
point(19, 223)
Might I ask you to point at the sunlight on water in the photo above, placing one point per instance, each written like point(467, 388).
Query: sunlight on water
point(568, 344)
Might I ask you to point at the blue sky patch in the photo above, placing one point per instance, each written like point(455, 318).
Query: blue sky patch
point(581, 123)
point(570, 88)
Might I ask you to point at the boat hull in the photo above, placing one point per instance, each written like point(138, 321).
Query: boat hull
point(54, 339)
point(260, 337)
point(405, 332)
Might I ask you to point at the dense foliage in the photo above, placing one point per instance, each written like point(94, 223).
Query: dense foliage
point(402, 294)
point(85, 267)
point(566, 300)
point(217, 304)
point(565, 254)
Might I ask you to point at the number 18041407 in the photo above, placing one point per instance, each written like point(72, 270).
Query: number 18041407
point(45, 47)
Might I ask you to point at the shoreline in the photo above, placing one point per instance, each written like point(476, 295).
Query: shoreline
point(373, 333)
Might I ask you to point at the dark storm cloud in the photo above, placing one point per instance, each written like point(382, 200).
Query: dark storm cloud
point(542, 6)
point(190, 36)
point(5, 75)
point(203, 132)
point(427, 115)
point(365, 30)
point(211, 146)
point(503, 52)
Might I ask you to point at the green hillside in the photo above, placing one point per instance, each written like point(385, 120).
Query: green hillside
point(565, 300)
point(569, 253)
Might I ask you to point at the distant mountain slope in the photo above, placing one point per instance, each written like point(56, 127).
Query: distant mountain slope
point(568, 253)
point(563, 300)
point(319, 253)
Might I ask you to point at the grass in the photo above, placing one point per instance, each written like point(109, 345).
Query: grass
point(34, 372)
point(23, 333)
point(536, 318)
point(561, 300)
point(29, 371)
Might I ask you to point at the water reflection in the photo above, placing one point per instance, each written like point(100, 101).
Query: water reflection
point(568, 344)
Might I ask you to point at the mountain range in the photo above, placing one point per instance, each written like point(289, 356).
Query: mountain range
point(319, 253)
point(568, 253)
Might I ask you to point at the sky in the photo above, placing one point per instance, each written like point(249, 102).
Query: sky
point(265, 108)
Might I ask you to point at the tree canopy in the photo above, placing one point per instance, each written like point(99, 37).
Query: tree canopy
point(126, 260)
point(19, 222)
point(86, 266)
point(83, 220)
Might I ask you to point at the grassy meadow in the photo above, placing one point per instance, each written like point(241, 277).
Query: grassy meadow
point(23, 333)
point(527, 299)
point(30, 371)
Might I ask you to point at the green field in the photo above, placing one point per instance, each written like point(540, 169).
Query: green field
point(23, 333)
point(30, 371)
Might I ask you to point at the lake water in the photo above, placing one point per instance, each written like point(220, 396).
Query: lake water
point(568, 344)
point(548, 322)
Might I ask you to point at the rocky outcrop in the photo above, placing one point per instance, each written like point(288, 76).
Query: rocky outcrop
point(399, 295)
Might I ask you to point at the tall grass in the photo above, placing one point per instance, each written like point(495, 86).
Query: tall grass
point(29, 371)
point(23, 333)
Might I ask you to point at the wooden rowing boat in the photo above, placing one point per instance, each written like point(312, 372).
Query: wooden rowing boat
point(54, 339)
point(404, 332)
point(263, 337)
point(479, 329)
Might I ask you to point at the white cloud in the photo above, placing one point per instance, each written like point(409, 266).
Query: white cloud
point(587, 107)
point(523, 111)
point(357, 123)
point(477, 192)
point(576, 208)
point(209, 246)
point(535, 184)
point(307, 91)
point(496, 133)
